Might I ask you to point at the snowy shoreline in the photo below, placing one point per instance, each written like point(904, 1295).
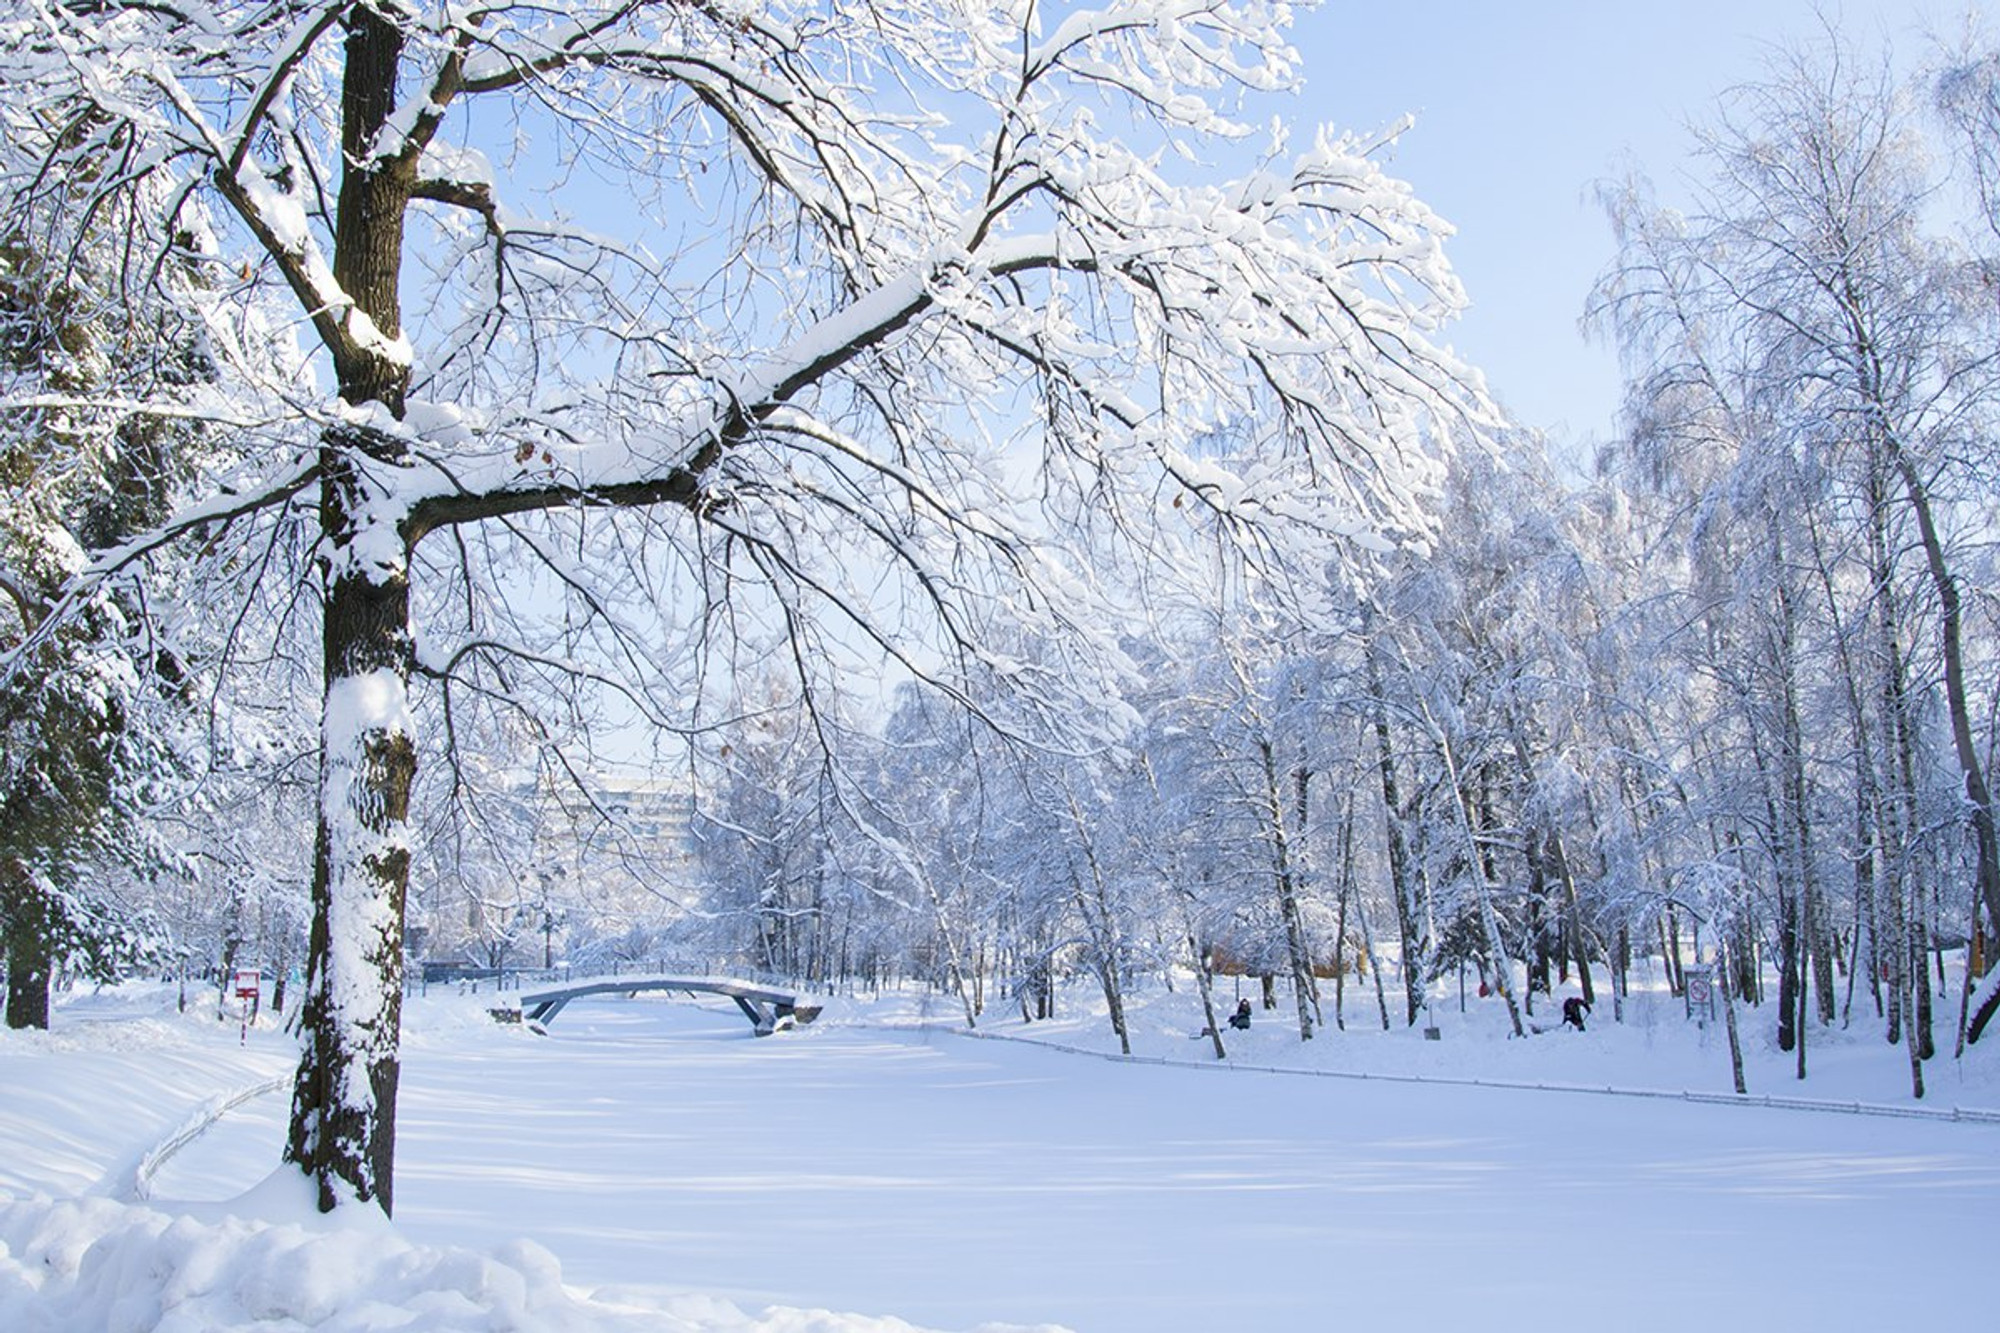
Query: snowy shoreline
point(1913, 1111)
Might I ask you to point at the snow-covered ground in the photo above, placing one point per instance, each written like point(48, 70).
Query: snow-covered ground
point(650, 1165)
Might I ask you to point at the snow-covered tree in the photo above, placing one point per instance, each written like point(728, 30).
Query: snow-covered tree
point(93, 320)
point(818, 301)
point(1814, 378)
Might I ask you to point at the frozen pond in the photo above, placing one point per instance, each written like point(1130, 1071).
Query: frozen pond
point(951, 1182)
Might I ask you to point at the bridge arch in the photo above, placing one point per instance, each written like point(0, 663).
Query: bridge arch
point(768, 1008)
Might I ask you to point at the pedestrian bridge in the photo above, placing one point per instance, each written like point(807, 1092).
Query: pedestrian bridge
point(768, 1008)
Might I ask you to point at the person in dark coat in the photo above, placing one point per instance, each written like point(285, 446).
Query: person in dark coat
point(1240, 1020)
point(1573, 1011)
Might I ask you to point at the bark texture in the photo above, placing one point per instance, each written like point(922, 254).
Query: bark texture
point(343, 1129)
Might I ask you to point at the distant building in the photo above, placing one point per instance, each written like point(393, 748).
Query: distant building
point(652, 811)
point(551, 872)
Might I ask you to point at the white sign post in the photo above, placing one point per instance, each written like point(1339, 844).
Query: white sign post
point(1699, 992)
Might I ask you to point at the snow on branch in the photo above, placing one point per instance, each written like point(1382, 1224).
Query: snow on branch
point(205, 516)
point(869, 252)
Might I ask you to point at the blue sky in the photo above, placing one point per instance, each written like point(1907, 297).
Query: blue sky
point(1521, 106)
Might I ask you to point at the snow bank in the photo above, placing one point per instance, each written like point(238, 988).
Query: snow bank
point(268, 1262)
point(96, 1263)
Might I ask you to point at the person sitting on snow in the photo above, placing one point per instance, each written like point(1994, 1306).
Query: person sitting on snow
point(1240, 1020)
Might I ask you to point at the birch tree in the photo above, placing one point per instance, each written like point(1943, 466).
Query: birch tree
point(1823, 368)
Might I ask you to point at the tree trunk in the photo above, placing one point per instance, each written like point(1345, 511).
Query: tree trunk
point(1896, 958)
point(1788, 924)
point(1799, 1023)
point(1503, 980)
point(1374, 964)
point(1723, 963)
point(1206, 985)
point(30, 961)
point(1915, 1047)
point(343, 1130)
point(1401, 868)
point(1101, 923)
point(1789, 1007)
point(1573, 911)
point(1860, 957)
point(1297, 951)
point(1922, 1036)
point(1866, 798)
point(1825, 951)
point(1539, 954)
point(1978, 799)
point(232, 949)
point(1621, 974)
point(28, 971)
point(1349, 887)
point(1104, 947)
point(1340, 925)
point(1670, 950)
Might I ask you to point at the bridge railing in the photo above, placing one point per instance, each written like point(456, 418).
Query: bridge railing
point(420, 977)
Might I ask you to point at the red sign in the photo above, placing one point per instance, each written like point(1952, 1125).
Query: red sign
point(246, 985)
